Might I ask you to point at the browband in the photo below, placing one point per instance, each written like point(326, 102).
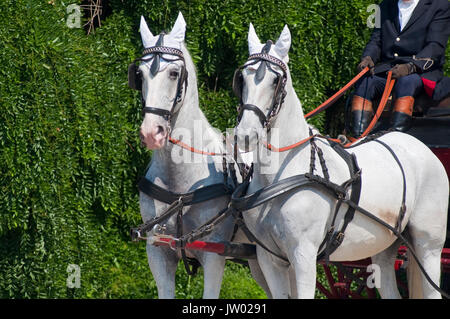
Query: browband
point(163, 50)
point(268, 58)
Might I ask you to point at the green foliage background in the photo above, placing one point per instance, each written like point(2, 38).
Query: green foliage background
point(69, 149)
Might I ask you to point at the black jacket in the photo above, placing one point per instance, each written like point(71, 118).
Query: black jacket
point(422, 41)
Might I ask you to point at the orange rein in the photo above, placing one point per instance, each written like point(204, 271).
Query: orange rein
point(338, 94)
point(192, 149)
point(384, 98)
point(287, 148)
point(387, 92)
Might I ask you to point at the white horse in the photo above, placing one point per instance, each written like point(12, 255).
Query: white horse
point(294, 224)
point(172, 167)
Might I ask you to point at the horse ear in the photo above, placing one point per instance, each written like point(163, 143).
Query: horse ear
point(254, 44)
point(147, 37)
point(283, 43)
point(179, 29)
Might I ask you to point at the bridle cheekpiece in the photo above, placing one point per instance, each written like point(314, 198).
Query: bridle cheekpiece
point(280, 92)
point(135, 76)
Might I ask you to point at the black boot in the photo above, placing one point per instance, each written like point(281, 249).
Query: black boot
point(401, 122)
point(360, 121)
point(362, 113)
point(402, 115)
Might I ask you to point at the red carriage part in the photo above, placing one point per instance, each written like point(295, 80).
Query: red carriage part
point(228, 249)
point(342, 284)
point(445, 260)
point(398, 264)
point(170, 241)
point(345, 282)
point(444, 156)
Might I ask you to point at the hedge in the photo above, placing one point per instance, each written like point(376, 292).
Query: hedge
point(70, 155)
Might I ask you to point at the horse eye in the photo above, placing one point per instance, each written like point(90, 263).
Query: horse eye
point(174, 74)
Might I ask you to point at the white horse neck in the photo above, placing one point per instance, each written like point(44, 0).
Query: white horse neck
point(290, 121)
point(191, 127)
point(287, 128)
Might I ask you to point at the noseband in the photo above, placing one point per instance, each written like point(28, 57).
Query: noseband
point(135, 76)
point(280, 91)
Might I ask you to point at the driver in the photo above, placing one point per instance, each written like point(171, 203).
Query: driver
point(410, 42)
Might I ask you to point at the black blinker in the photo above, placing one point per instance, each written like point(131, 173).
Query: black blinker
point(261, 72)
point(134, 77)
point(155, 65)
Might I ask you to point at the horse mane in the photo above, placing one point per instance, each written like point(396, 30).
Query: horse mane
point(190, 67)
point(193, 97)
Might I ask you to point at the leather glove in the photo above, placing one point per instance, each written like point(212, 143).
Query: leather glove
point(400, 70)
point(366, 62)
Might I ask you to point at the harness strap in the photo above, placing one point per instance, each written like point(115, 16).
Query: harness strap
point(250, 107)
point(334, 238)
point(287, 148)
point(245, 202)
point(197, 196)
point(176, 201)
point(187, 262)
point(402, 212)
point(233, 175)
point(206, 228)
point(161, 112)
point(315, 149)
point(136, 233)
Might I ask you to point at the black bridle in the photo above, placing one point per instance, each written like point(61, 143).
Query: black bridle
point(135, 76)
point(280, 91)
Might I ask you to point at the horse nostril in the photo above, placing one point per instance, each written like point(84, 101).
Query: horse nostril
point(159, 129)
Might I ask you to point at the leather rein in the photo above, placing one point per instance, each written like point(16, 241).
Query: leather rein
point(385, 97)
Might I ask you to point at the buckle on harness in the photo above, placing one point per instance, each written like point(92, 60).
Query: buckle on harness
point(339, 238)
point(135, 234)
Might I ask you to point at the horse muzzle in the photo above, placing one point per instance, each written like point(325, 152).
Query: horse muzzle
point(155, 138)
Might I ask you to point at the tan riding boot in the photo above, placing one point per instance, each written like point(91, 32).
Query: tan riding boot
point(362, 113)
point(402, 114)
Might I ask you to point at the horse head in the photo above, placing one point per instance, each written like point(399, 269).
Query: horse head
point(260, 85)
point(162, 79)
